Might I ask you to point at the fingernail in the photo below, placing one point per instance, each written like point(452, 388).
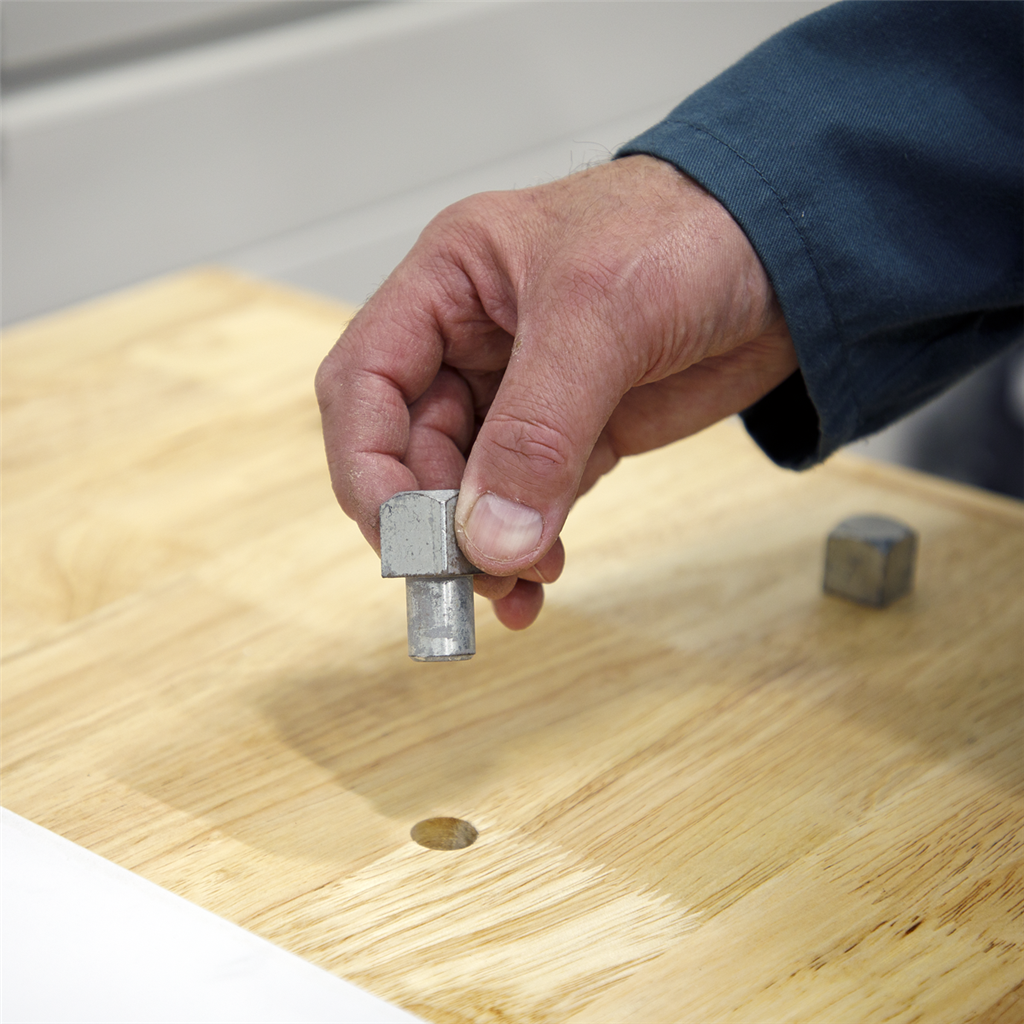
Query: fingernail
point(501, 529)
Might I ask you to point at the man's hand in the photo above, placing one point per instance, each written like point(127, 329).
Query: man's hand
point(529, 340)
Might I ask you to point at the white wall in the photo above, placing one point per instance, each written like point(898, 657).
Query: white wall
point(316, 150)
point(47, 38)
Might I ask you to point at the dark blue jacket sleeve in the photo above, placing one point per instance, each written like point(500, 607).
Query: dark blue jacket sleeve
point(873, 154)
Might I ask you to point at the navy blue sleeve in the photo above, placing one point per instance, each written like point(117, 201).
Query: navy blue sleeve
point(874, 155)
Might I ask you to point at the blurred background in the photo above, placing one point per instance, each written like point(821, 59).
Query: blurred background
point(310, 141)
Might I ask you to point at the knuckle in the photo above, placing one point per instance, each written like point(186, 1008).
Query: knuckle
point(543, 447)
point(468, 213)
point(322, 383)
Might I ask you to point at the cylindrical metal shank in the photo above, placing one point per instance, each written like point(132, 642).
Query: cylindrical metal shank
point(440, 618)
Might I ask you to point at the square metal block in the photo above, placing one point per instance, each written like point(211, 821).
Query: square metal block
point(417, 536)
point(870, 560)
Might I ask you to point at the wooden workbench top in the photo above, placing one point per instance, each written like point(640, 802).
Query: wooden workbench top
point(705, 791)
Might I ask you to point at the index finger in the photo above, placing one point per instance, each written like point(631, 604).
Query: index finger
point(385, 359)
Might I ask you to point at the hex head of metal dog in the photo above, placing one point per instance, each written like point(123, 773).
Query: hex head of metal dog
point(870, 559)
point(417, 536)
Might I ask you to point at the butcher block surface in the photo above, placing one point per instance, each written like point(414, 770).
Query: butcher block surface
point(705, 791)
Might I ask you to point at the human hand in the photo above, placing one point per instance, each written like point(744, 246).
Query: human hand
point(529, 340)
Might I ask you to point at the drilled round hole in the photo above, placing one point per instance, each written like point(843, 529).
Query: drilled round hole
point(444, 833)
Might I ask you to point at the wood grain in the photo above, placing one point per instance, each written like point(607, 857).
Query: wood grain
point(704, 791)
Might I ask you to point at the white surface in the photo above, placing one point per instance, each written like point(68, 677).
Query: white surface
point(38, 31)
point(111, 177)
point(84, 940)
point(350, 255)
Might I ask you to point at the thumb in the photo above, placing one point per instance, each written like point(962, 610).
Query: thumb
point(530, 453)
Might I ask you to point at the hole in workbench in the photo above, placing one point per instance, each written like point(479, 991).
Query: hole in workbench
point(444, 833)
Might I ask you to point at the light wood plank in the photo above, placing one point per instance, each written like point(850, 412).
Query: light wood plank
point(705, 791)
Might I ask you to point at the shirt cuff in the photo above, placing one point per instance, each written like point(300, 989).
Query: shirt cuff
point(819, 403)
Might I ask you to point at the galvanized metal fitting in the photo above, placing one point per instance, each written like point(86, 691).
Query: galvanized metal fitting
point(417, 541)
point(870, 560)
